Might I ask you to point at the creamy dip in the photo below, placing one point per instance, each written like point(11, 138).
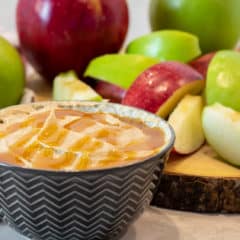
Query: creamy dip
point(72, 140)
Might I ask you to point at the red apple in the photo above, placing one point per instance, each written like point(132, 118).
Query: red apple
point(162, 86)
point(201, 63)
point(110, 91)
point(61, 35)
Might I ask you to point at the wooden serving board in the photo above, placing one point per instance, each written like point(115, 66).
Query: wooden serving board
point(200, 182)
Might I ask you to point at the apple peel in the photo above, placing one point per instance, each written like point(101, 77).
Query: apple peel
point(167, 45)
point(119, 69)
point(193, 88)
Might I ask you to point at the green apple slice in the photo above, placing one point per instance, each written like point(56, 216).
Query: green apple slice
point(222, 130)
point(119, 69)
point(67, 87)
point(167, 45)
point(223, 79)
point(187, 125)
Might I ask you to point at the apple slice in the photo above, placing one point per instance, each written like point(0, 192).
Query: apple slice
point(119, 69)
point(194, 88)
point(167, 45)
point(187, 124)
point(223, 79)
point(110, 91)
point(222, 130)
point(67, 87)
point(159, 88)
point(201, 64)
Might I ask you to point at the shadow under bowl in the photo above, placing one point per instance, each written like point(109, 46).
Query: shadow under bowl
point(92, 204)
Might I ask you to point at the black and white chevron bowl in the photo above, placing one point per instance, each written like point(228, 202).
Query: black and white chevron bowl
point(86, 205)
point(1, 215)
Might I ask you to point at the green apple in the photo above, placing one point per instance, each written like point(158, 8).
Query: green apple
point(187, 125)
point(119, 69)
point(215, 22)
point(167, 45)
point(223, 79)
point(67, 87)
point(12, 74)
point(222, 130)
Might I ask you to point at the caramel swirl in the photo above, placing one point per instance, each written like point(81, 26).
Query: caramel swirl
point(71, 140)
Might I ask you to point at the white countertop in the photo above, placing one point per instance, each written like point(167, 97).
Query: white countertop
point(161, 224)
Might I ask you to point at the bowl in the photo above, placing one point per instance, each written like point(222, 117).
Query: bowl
point(1, 215)
point(28, 97)
point(91, 204)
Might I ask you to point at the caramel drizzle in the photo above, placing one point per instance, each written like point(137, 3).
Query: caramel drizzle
point(72, 143)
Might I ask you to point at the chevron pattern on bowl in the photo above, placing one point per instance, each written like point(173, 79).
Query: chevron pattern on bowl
point(28, 97)
point(86, 205)
point(1, 215)
point(80, 206)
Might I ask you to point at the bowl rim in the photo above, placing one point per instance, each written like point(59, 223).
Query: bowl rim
point(165, 127)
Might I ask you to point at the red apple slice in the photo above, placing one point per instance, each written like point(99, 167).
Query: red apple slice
point(154, 90)
point(201, 64)
point(187, 123)
point(110, 91)
point(194, 87)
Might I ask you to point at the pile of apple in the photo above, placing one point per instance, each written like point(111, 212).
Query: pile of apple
point(213, 115)
point(168, 87)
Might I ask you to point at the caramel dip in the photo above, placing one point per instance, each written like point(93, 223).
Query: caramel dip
point(73, 140)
